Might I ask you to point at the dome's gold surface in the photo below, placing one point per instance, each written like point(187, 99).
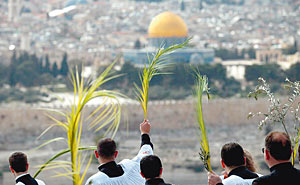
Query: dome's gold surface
point(167, 24)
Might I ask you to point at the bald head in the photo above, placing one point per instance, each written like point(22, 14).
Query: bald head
point(279, 145)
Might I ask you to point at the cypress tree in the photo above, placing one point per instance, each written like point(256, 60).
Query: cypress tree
point(55, 71)
point(64, 70)
point(47, 65)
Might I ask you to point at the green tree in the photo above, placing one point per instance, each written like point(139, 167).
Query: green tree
point(3, 74)
point(26, 74)
point(12, 69)
point(294, 72)
point(64, 69)
point(137, 44)
point(47, 65)
point(270, 72)
point(55, 70)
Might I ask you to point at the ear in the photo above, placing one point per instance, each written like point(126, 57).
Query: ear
point(96, 154)
point(11, 169)
point(245, 161)
point(267, 154)
point(222, 163)
point(160, 172)
point(27, 166)
point(116, 153)
point(142, 175)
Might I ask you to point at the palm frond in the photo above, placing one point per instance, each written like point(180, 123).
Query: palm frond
point(108, 117)
point(200, 87)
point(155, 65)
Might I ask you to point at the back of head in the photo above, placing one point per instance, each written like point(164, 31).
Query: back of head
point(150, 166)
point(279, 145)
point(232, 155)
point(18, 162)
point(106, 148)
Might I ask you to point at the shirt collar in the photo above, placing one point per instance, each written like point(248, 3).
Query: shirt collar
point(281, 166)
point(154, 181)
point(236, 170)
point(109, 165)
point(21, 175)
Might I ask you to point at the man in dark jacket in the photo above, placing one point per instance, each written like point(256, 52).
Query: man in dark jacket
point(233, 161)
point(151, 170)
point(277, 153)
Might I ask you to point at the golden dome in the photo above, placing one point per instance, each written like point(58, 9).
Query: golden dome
point(167, 24)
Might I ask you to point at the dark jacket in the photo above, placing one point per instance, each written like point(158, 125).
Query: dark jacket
point(281, 174)
point(156, 181)
point(27, 180)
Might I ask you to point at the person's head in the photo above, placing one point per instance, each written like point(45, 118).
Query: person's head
point(106, 150)
point(151, 167)
point(278, 148)
point(18, 163)
point(249, 161)
point(232, 155)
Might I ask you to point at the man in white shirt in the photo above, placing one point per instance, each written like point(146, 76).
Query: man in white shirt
point(18, 165)
point(127, 172)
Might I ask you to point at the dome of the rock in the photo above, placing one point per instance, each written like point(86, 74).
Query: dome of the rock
point(167, 24)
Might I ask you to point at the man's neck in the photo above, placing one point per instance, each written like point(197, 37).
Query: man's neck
point(153, 178)
point(104, 161)
point(229, 169)
point(20, 173)
point(274, 163)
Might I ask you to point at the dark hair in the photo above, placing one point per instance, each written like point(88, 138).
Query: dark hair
point(150, 166)
point(106, 148)
point(232, 154)
point(279, 145)
point(18, 162)
point(250, 164)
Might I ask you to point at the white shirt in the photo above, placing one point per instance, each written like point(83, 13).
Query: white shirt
point(236, 180)
point(131, 170)
point(37, 180)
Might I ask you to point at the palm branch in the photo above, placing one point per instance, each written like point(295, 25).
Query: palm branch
point(200, 87)
point(155, 65)
point(106, 116)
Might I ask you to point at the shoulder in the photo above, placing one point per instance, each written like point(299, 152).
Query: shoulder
point(233, 179)
point(265, 179)
point(97, 178)
point(40, 182)
point(236, 180)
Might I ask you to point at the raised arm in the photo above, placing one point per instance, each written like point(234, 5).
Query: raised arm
point(145, 128)
point(146, 145)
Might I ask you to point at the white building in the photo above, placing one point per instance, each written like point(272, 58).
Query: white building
point(237, 68)
point(14, 9)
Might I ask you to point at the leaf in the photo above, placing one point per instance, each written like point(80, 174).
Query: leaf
point(48, 142)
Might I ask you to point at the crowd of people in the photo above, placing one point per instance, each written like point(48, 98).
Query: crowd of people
point(146, 168)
